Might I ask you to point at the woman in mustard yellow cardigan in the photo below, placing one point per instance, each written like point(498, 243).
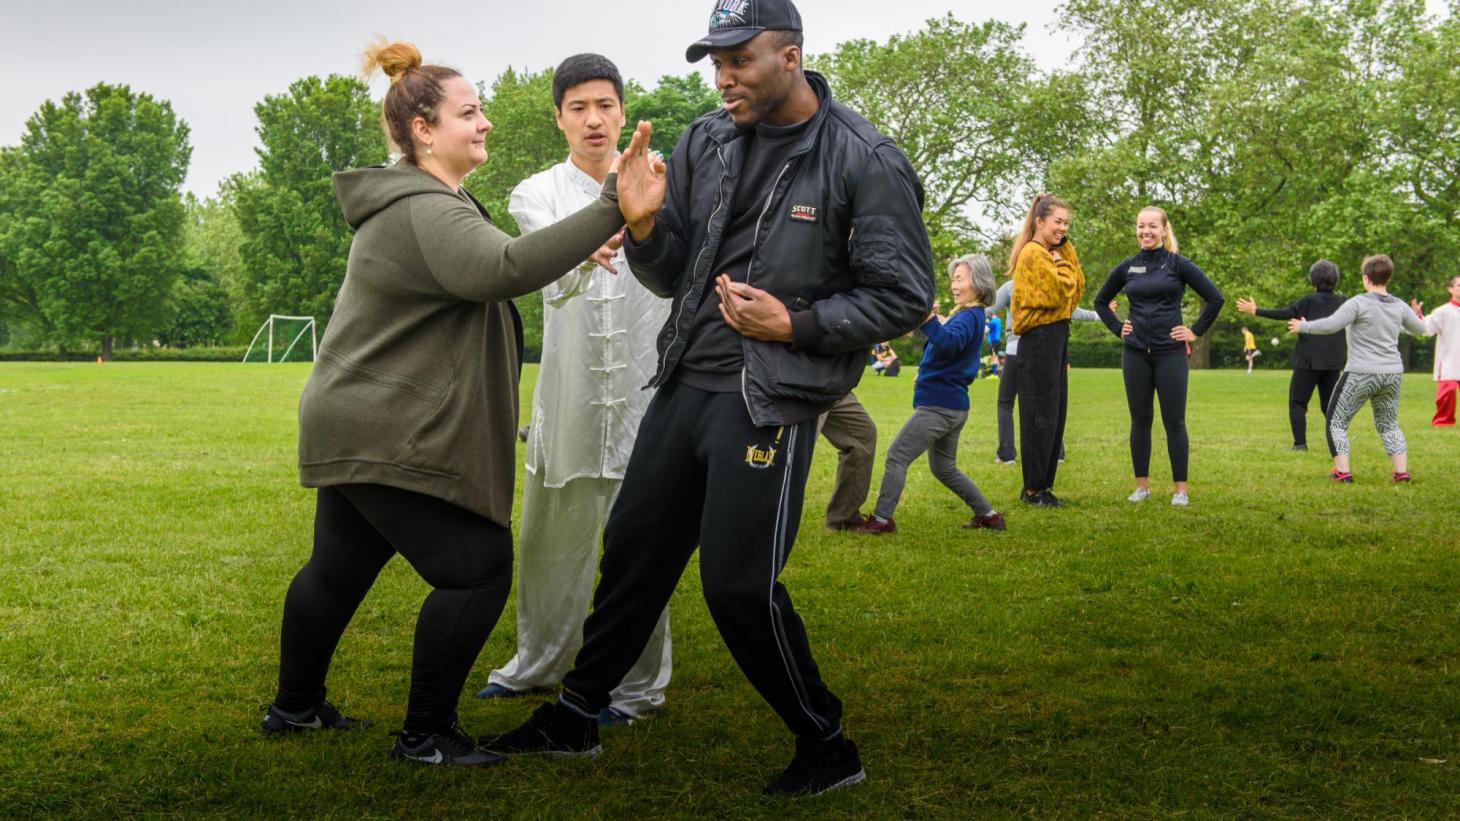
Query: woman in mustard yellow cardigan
point(1048, 283)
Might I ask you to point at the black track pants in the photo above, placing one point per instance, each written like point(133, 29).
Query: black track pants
point(466, 558)
point(1043, 393)
point(701, 473)
point(1300, 390)
point(1148, 376)
point(1008, 387)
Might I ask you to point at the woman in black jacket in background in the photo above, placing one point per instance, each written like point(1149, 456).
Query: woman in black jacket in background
point(1154, 357)
point(1317, 360)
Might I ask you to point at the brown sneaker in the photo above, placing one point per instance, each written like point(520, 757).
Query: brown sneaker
point(993, 520)
point(872, 527)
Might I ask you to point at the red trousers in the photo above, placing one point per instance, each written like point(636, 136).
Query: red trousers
point(1445, 402)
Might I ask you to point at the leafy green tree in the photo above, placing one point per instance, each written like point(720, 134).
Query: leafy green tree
point(671, 107)
point(295, 241)
point(94, 252)
point(965, 103)
point(211, 242)
point(201, 313)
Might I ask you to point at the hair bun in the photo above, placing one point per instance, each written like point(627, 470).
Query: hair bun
point(395, 59)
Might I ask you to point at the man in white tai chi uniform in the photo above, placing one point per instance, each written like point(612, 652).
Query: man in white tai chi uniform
point(599, 328)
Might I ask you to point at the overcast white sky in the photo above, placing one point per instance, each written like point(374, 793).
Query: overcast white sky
point(215, 60)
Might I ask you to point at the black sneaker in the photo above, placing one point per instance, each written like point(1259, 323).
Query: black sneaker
point(1041, 499)
point(553, 729)
point(324, 717)
point(820, 766)
point(451, 747)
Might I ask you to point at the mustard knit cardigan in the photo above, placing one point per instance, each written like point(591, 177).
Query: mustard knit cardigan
point(1045, 291)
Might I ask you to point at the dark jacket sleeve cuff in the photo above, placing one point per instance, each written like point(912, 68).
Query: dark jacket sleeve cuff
point(805, 334)
point(650, 250)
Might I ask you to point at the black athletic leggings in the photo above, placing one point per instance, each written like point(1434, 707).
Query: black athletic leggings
point(1300, 390)
point(466, 558)
point(1164, 376)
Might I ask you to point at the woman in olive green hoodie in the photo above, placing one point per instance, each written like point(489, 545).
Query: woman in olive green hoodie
point(407, 423)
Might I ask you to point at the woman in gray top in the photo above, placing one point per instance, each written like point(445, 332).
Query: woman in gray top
point(1375, 369)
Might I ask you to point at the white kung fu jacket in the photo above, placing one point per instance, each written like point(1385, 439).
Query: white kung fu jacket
point(598, 346)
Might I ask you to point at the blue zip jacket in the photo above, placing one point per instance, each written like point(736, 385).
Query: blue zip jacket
point(950, 360)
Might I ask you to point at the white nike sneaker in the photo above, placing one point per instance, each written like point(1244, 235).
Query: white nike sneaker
point(1140, 495)
point(1178, 499)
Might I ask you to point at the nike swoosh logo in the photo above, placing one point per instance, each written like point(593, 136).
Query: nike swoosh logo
point(434, 758)
point(307, 725)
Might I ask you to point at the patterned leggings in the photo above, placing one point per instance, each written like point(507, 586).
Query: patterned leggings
point(1381, 390)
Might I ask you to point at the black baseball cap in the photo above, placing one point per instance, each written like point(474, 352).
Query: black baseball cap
point(736, 21)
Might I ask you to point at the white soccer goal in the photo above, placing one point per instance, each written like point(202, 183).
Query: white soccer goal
point(280, 328)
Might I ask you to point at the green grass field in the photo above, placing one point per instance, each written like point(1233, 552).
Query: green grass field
point(1284, 647)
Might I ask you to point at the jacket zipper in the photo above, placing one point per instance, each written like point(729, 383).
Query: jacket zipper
point(754, 240)
point(719, 203)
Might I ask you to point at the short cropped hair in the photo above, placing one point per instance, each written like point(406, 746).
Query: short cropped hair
point(1378, 268)
point(1323, 275)
point(581, 68)
point(780, 38)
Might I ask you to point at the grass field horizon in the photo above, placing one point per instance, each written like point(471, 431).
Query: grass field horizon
point(1282, 648)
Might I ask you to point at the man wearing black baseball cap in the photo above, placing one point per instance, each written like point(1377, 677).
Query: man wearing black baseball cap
point(791, 240)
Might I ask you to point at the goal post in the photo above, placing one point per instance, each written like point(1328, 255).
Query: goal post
point(281, 328)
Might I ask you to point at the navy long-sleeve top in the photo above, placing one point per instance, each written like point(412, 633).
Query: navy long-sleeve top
point(1154, 283)
point(1314, 352)
point(950, 360)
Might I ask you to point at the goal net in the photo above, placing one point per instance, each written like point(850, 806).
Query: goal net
point(279, 340)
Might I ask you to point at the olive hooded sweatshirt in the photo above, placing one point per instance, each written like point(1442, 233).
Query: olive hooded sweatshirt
point(415, 385)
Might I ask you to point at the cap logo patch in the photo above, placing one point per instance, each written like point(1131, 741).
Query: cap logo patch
point(803, 213)
point(729, 14)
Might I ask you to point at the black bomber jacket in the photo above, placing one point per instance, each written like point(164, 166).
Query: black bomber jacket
point(840, 241)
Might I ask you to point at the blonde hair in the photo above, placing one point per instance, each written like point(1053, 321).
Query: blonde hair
point(1168, 239)
point(415, 89)
point(1044, 204)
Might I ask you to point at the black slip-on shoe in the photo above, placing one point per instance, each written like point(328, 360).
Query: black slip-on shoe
point(553, 729)
point(818, 767)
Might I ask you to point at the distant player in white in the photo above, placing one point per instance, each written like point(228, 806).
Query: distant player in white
point(599, 329)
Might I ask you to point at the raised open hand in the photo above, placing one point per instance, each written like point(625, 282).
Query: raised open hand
point(640, 182)
point(1246, 306)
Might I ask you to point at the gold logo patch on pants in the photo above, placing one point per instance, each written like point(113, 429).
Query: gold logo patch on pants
point(762, 458)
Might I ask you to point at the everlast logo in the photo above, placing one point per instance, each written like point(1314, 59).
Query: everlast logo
point(804, 213)
point(759, 459)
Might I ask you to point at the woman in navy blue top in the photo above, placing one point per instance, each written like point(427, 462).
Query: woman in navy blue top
point(940, 400)
point(1154, 357)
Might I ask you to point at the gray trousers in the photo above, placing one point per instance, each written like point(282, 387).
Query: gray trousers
point(849, 429)
point(934, 431)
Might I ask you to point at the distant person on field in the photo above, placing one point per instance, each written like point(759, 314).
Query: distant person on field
point(940, 401)
point(1249, 348)
point(1444, 323)
point(1154, 359)
point(598, 352)
point(1375, 368)
point(1317, 360)
point(406, 424)
point(887, 362)
point(849, 429)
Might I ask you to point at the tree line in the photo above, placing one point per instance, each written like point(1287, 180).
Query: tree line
point(1274, 132)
